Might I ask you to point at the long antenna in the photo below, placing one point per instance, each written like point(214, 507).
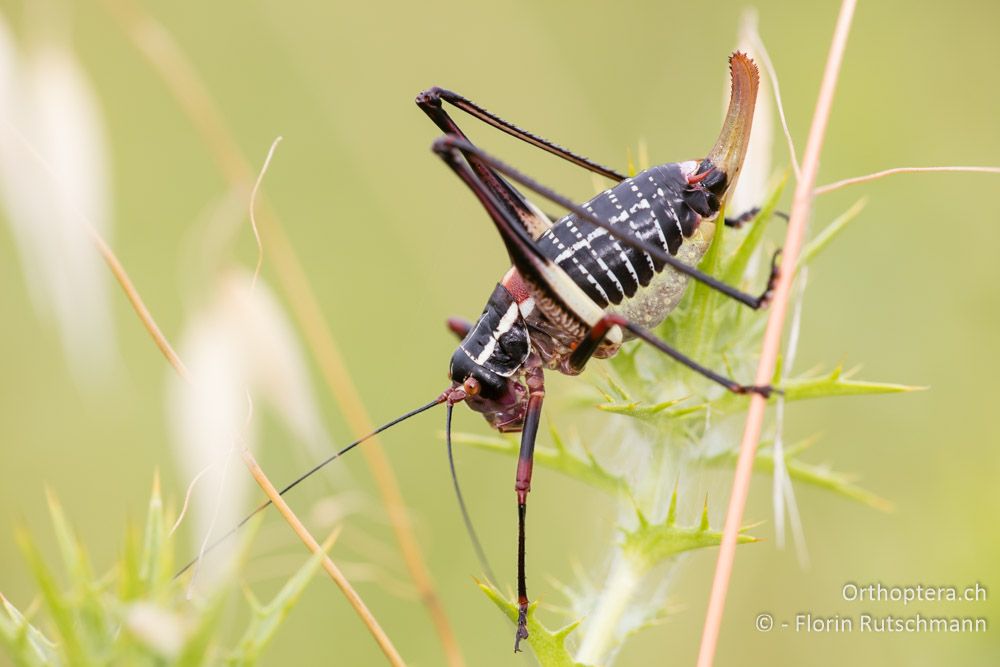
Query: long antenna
point(476, 544)
point(263, 506)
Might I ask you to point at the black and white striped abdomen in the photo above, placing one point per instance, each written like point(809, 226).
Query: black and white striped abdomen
point(649, 207)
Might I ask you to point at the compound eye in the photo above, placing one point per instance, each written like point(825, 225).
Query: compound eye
point(471, 386)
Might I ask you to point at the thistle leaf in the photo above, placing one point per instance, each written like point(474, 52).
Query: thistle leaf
point(823, 477)
point(737, 264)
point(199, 649)
point(73, 554)
point(129, 565)
point(27, 645)
point(267, 619)
point(820, 476)
point(59, 605)
point(155, 564)
point(652, 543)
point(134, 615)
point(654, 411)
point(549, 646)
point(822, 240)
point(93, 618)
point(583, 468)
point(837, 383)
point(701, 310)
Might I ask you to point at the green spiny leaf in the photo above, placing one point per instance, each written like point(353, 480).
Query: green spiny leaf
point(737, 264)
point(807, 473)
point(699, 316)
point(153, 632)
point(650, 543)
point(583, 468)
point(199, 649)
point(549, 646)
point(59, 605)
point(26, 643)
point(100, 621)
point(129, 582)
point(823, 477)
point(267, 619)
point(704, 525)
point(652, 412)
point(617, 388)
point(837, 383)
point(822, 240)
point(73, 554)
point(672, 510)
point(154, 566)
point(86, 596)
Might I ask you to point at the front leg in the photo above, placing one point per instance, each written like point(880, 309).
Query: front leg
point(525, 462)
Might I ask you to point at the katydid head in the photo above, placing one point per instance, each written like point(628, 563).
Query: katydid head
point(475, 378)
point(706, 188)
point(487, 365)
point(501, 400)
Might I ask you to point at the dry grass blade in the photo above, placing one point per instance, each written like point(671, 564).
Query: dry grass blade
point(169, 61)
point(798, 219)
point(149, 323)
point(117, 270)
point(253, 208)
point(352, 596)
point(258, 474)
point(772, 75)
point(837, 185)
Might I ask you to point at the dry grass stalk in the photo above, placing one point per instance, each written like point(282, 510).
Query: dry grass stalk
point(255, 470)
point(798, 220)
point(855, 180)
point(154, 42)
point(161, 342)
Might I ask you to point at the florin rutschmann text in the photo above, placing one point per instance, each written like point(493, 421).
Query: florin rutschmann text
point(875, 594)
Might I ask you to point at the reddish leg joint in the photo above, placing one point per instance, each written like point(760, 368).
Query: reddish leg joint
point(523, 483)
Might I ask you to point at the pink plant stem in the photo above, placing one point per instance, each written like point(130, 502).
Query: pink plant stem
point(800, 212)
point(831, 187)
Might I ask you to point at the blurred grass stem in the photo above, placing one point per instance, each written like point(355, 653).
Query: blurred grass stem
point(772, 75)
point(117, 270)
point(149, 323)
point(352, 596)
point(255, 470)
point(253, 208)
point(166, 57)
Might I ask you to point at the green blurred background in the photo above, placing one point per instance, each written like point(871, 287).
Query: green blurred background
point(393, 244)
